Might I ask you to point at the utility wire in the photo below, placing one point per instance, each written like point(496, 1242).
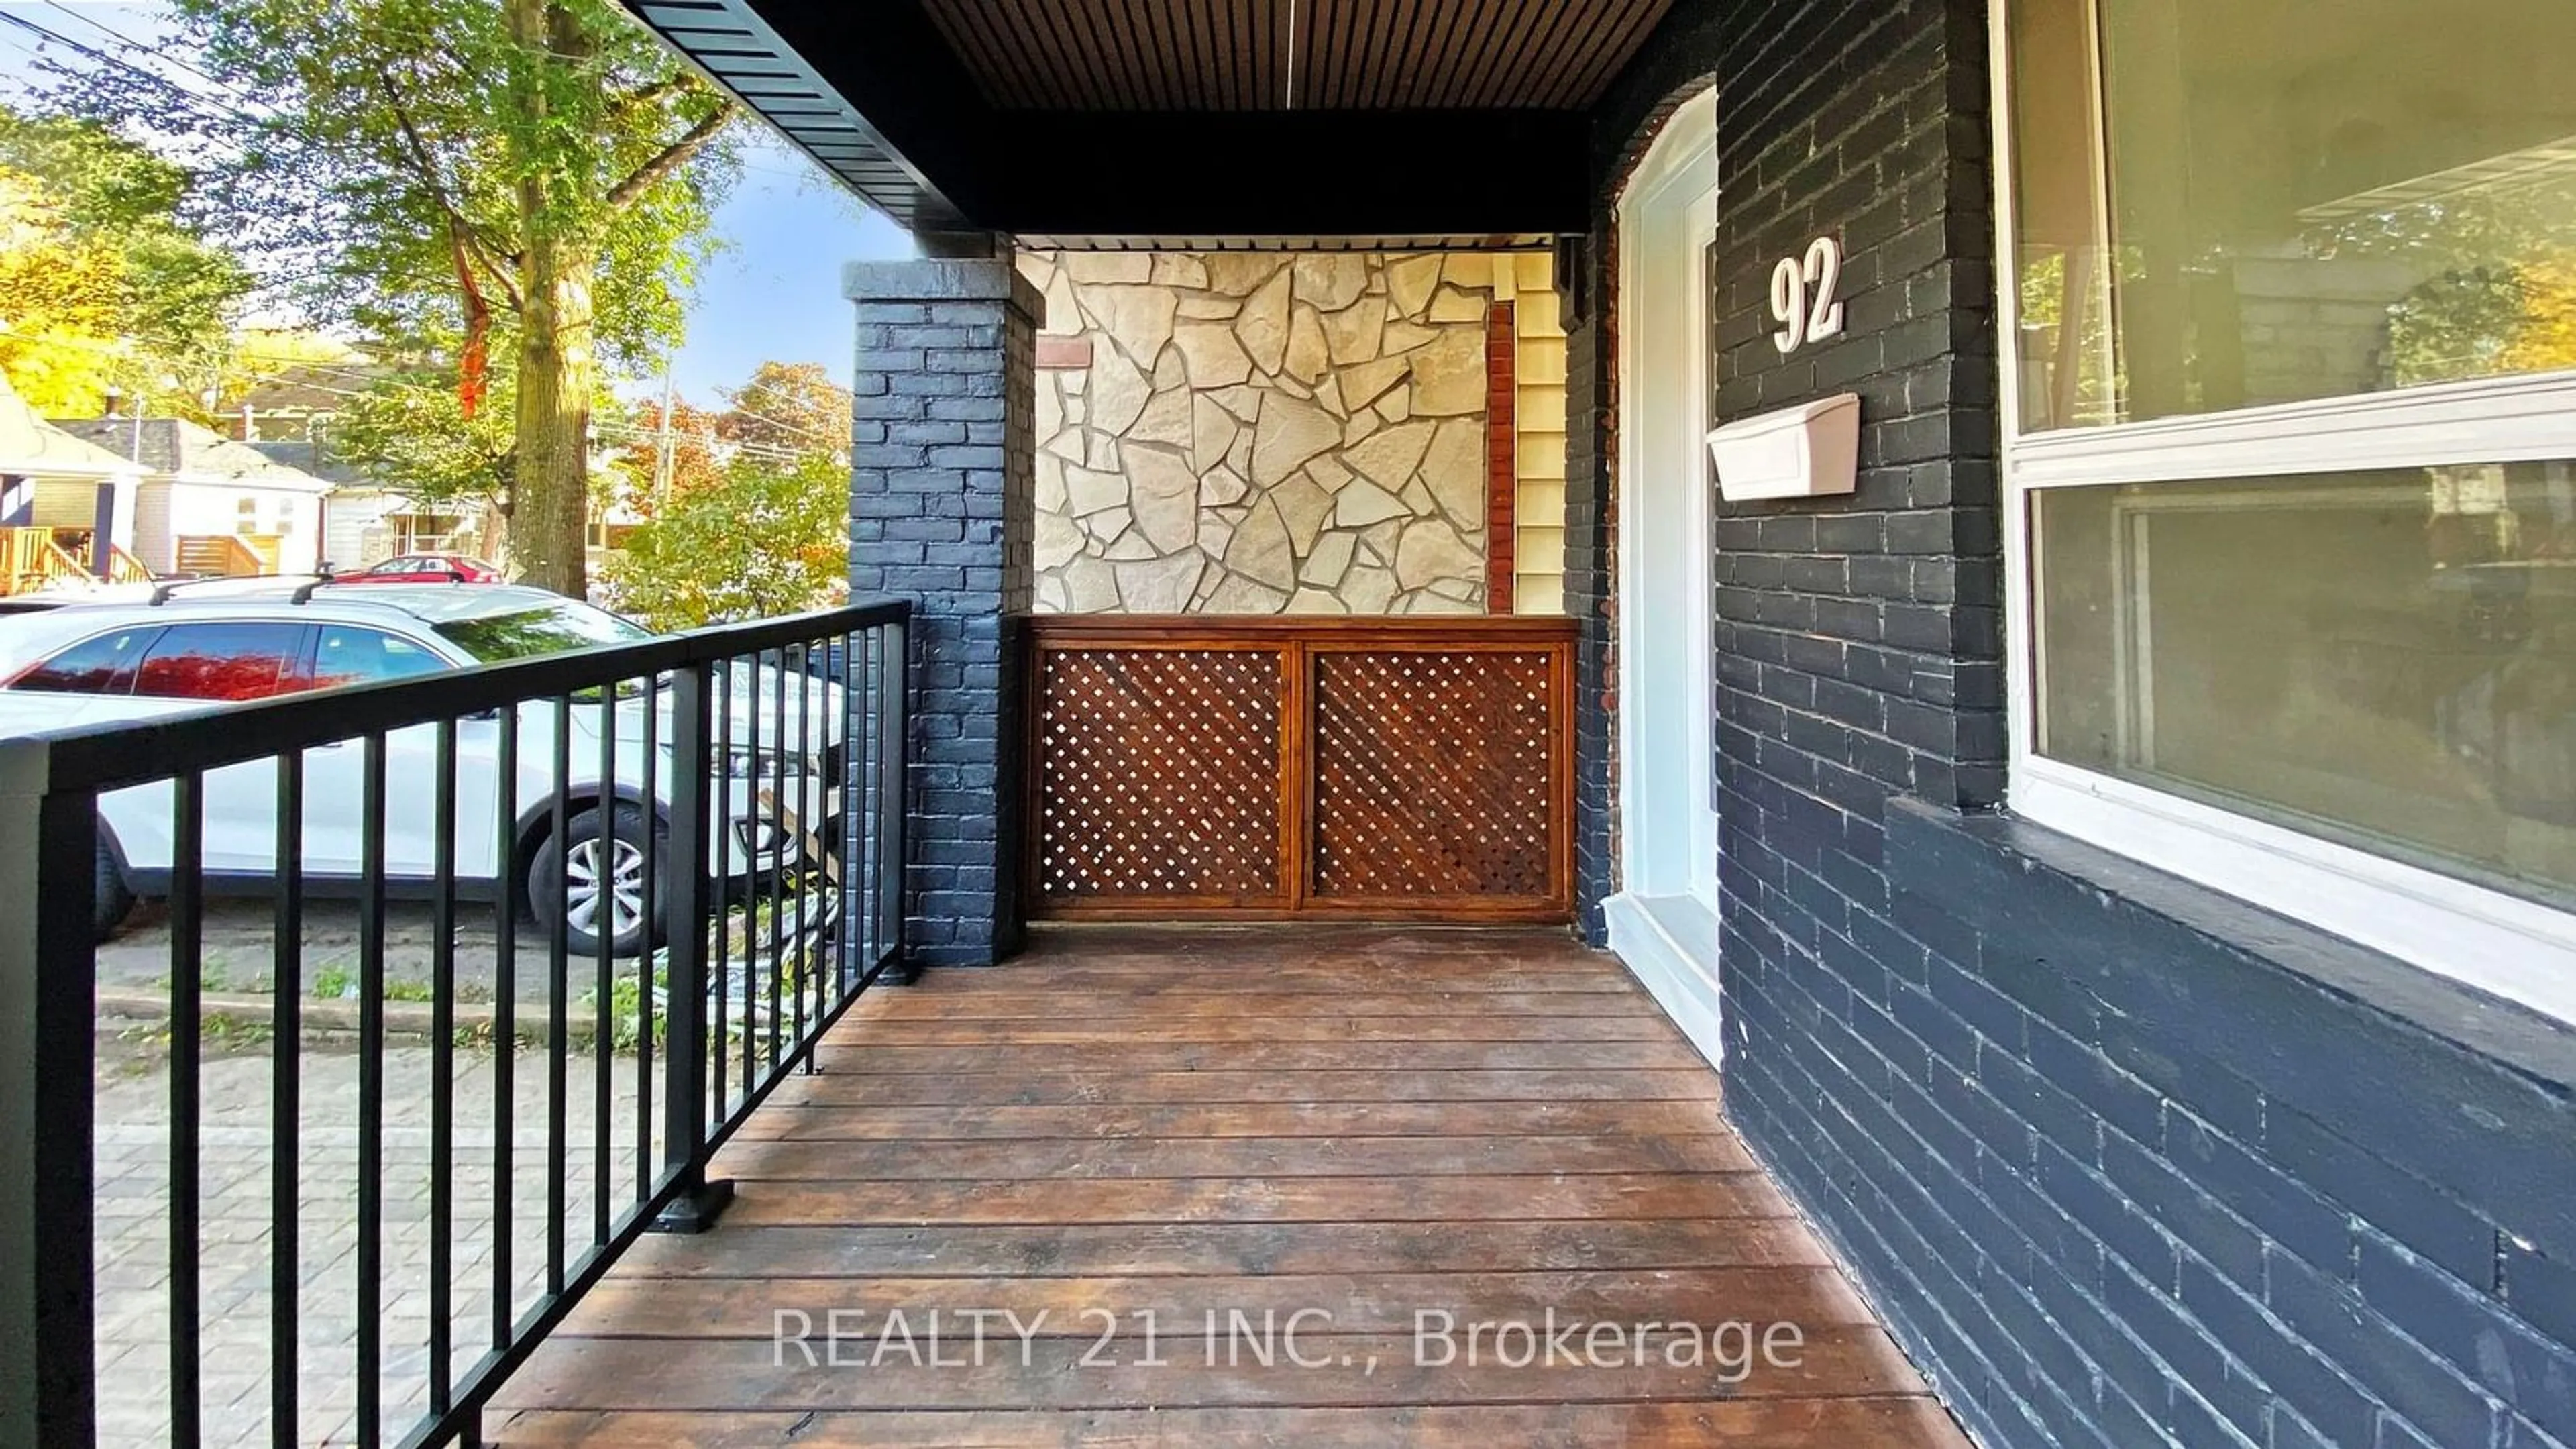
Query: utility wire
point(131, 43)
point(598, 425)
point(190, 103)
point(756, 385)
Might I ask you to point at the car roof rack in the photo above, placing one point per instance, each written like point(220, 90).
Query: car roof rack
point(164, 590)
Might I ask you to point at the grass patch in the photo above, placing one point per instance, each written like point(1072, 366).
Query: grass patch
point(215, 1029)
point(340, 983)
point(214, 973)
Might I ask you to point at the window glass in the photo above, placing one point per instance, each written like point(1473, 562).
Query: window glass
point(2228, 203)
point(2388, 658)
point(221, 661)
point(104, 665)
point(528, 633)
point(2065, 288)
point(351, 655)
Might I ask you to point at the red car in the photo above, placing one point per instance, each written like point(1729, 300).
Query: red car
point(424, 568)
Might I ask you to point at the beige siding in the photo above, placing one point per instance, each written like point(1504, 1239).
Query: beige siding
point(152, 537)
point(1527, 280)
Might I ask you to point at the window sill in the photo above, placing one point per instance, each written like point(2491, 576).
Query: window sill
point(2202, 950)
point(2508, 946)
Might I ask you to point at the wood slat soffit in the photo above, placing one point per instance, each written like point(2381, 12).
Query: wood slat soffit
point(737, 49)
point(1285, 55)
point(957, 116)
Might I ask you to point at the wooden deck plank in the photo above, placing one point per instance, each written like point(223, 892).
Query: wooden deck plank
point(1540, 1117)
point(1130, 1125)
point(1112, 1088)
point(1460, 1199)
point(1368, 1303)
point(1895, 1423)
point(1306, 976)
point(1225, 1157)
point(1169, 1003)
point(875, 1057)
point(1463, 1027)
point(1217, 1249)
point(1341, 1370)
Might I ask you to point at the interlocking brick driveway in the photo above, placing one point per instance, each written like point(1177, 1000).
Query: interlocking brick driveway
point(133, 1233)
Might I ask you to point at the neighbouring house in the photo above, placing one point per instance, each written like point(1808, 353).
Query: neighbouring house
point(363, 521)
point(614, 517)
point(292, 400)
point(66, 506)
point(209, 505)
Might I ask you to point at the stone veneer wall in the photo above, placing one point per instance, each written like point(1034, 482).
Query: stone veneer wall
point(1262, 432)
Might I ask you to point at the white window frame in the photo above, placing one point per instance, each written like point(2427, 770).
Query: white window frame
point(2511, 946)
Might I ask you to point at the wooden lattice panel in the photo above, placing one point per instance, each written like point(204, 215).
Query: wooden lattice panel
point(1433, 774)
point(1158, 775)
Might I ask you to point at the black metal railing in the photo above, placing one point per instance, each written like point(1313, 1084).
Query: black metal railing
point(608, 898)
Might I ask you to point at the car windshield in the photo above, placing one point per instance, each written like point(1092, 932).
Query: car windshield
point(499, 638)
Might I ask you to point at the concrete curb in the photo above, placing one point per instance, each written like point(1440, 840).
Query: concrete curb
point(335, 1017)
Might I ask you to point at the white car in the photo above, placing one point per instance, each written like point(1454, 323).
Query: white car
point(87, 664)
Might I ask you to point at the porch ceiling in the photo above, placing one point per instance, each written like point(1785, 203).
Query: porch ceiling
point(1261, 55)
point(1185, 123)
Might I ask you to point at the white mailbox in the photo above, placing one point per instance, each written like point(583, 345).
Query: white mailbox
point(1807, 451)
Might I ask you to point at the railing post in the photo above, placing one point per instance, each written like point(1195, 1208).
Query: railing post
point(894, 799)
point(693, 895)
point(47, 1049)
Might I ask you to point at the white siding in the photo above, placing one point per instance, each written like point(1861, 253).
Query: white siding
point(210, 508)
point(354, 534)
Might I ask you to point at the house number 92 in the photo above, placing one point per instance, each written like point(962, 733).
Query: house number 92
point(1802, 296)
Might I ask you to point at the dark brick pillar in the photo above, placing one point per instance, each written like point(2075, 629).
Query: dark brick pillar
point(941, 481)
point(1592, 571)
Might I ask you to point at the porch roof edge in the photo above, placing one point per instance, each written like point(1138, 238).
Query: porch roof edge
point(891, 113)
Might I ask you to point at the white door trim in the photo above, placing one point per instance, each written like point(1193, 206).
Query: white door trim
point(1663, 924)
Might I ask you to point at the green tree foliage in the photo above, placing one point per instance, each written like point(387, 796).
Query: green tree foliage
point(791, 407)
point(762, 538)
point(410, 164)
point(2496, 296)
point(411, 434)
point(654, 467)
point(106, 278)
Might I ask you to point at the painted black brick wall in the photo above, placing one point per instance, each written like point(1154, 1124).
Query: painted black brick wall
point(941, 495)
point(1591, 582)
point(2132, 1163)
point(2122, 1162)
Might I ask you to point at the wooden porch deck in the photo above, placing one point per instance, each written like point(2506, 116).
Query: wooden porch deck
point(1161, 1125)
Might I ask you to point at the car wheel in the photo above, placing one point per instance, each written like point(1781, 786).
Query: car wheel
point(112, 902)
point(593, 879)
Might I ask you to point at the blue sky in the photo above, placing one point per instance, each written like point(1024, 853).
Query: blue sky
point(773, 293)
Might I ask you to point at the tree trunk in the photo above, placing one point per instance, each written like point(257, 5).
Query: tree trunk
point(558, 373)
point(558, 365)
point(492, 533)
